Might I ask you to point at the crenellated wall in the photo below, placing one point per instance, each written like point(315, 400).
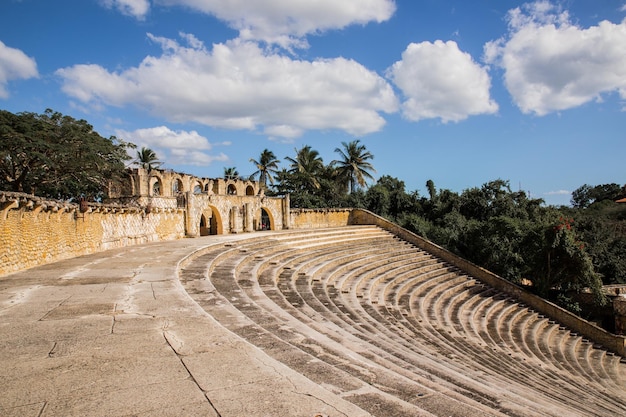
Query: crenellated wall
point(35, 231)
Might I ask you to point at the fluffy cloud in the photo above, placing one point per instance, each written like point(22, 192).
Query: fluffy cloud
point(174, 147)
point(238, 85)
point(286, 22)
point(550, 64)
point(14, 64)
point(135, 8)
point(440, 81)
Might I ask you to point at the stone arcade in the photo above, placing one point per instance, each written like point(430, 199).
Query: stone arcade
point(211, 206)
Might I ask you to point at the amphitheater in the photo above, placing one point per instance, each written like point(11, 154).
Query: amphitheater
point(346, 315)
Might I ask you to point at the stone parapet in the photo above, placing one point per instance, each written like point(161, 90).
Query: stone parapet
point(319, 218)
point(36, 231)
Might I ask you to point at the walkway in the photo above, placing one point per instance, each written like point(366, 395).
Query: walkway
point(115, 334)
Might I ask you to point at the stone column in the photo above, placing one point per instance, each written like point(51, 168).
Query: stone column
point(619, 307)
point(248, 218)
point(235, 220)
point(286, 209)
point(192, 229)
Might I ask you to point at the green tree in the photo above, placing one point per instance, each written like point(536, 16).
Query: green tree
point(147, 159)
point(354, 166)
point(24, 151)
point(57, 156)
point(231, 173)
point(586, 195)
point(307, 167)
point(266, 167)
point(562, 263)
point(432, 191)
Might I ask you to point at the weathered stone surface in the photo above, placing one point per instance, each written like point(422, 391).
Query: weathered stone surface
point(137, 345)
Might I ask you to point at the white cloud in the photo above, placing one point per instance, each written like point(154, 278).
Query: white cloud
point(238, 85)
point(135, 8)
point(286, 22)
point(440, 81)
point(14, 64)
point(558, 192)
point(550, 64)
point(173, 147)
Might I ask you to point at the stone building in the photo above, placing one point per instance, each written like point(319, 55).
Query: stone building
point(211, 206)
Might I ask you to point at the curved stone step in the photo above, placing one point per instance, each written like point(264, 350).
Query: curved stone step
point(372, 317)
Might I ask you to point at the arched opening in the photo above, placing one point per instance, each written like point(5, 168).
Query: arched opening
point(210, 222)
point(155, 186)
point(231, 190)
point(249, 190)
point(197, 189)
point(177, 186)
point(205, 227)
point(264, 221)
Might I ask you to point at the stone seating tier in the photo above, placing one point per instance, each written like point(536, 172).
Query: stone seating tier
point(396, 331)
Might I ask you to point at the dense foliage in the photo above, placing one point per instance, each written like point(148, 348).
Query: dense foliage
point(56, 156)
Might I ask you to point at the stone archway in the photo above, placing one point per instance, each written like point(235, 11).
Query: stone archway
point(156, 186)
point(264, 220)
point(205, 225)
point(210, 222)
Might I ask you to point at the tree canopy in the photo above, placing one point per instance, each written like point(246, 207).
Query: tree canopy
point(354, 167)
point(57, 156)
point(266, 167)
point(147, 159)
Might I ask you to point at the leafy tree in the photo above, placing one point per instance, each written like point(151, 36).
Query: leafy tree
point(266, 167)
point(231, 173)
point(562, 263)
point(24, 151)
point(147, 159)
point(498, 245)
point(586, 195)
point(388, 198)
point(354, 166)
point(581, 197)
point(57, 156)
point(603, 229)
point(432, 191)
point(307, 168)
point(378, 200)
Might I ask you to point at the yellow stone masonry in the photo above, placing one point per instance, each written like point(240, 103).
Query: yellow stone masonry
point(35, 232)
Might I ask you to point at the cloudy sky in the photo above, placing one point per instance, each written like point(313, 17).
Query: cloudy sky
point(455, 91)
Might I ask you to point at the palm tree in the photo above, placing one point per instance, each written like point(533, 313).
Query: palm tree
point(308, 165)
point(267, 167)
point(147, 159)
point(231, 173)
point(354, 167)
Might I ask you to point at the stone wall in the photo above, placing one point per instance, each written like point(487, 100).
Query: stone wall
point(317, 218)
point(615, 343)
point(35, 231)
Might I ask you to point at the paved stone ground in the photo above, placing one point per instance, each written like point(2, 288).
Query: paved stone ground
point(115, 334)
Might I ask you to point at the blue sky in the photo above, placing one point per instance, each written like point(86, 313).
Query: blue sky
point(454, 91)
